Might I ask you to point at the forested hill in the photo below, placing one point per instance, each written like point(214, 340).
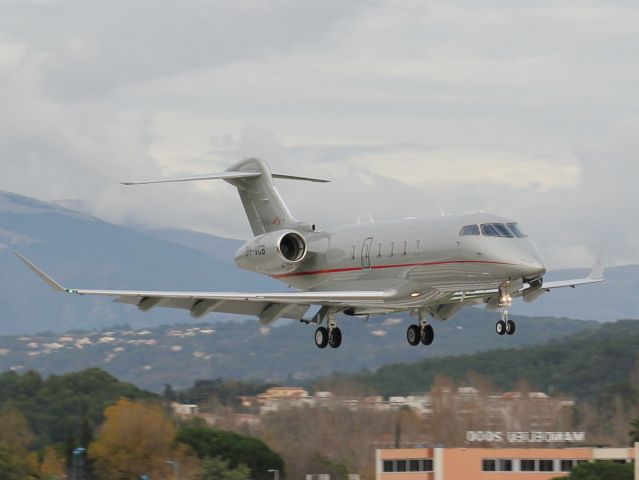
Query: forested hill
point(589, 363)
point(181, 354)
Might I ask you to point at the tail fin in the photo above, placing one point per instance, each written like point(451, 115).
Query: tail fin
point(264, 207)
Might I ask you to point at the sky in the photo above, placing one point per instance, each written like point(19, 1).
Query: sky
point(527, 109)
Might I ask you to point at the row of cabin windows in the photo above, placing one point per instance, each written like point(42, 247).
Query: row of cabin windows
point(410, 465)
point(528, 465)
point(391, 252)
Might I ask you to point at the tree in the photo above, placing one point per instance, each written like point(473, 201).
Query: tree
point(53, 464)
point(14, 428)
point(601, 471)
point(218, 469)
point(634, 432)
point(135, 439)
point(235, 448)
point(14, 466)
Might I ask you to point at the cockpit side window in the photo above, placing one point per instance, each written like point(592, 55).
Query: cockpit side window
point(516, 229)
point(470, 230)
point(495, 230)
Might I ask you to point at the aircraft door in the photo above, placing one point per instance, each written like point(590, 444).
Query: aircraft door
point(366, 252)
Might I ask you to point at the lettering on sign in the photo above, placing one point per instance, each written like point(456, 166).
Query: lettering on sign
point(525, 437)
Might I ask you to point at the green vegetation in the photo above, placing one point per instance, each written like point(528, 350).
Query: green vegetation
point(237, 449)
point(218, 469)
point(64, 407)
point(222, 391)
point(594, 363)
point(601, 471)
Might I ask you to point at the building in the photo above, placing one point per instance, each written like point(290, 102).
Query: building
point(441, 463)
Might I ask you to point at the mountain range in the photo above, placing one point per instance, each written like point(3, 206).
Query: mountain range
point(81, 250)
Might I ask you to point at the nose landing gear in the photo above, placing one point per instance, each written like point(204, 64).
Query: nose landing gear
point(505, 325)
point(423, 332)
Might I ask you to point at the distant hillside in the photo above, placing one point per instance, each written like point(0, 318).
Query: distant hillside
point(181, 354)
point(586, 364)
point(84, 251)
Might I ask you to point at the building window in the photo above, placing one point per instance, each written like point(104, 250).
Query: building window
point(400, 465)
point(414, 465)
point(566, 465)
point(488, 466)
point(505, 465)
point(428, 465)
point(388, 466)
point(527, 465)
point(546, 466)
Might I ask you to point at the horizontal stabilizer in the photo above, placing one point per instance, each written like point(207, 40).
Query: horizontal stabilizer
point(223, 176)
point(208, 176)
point(304, 179)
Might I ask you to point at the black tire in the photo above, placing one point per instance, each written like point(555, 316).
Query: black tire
point(500, 327)
point(510, 327)
point(413, 335)
point(335, 337)
point(427, 335)
point(321, 337)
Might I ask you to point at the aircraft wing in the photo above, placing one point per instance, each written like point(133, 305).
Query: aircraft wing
point(267, 306)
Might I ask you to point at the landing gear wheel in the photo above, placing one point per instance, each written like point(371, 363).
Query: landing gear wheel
point(427, 334)
point(500, 327)
point(321, 337)
point(510, 327)
point(413, 335)
point(334, 337)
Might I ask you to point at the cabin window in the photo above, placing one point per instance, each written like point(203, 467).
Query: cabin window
point(419, 243)
point(353, 252)
point(392, 249)
point(470, 230)
point(405, 246)
point(379, 249)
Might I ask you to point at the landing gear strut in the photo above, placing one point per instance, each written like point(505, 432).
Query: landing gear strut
point(330, 335)
point(423, 332)
point(505, 325)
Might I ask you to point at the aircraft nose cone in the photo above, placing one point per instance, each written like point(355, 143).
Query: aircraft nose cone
point(533, 267)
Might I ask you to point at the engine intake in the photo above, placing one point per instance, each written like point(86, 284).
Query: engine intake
point(273, 253)
point(292, 247)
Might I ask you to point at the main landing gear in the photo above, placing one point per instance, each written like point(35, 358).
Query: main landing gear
point(423, 332)
point(330, 335)
point(505, 325)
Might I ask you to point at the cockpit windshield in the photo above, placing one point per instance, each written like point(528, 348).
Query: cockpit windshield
point(516, 229)
point(496, 230)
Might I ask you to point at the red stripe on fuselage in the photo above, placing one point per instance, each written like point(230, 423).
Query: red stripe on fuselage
point(377, 267)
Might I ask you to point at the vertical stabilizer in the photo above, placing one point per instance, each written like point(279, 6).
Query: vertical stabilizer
point(264, 207)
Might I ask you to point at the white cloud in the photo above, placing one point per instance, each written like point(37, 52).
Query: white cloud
point(528, 109)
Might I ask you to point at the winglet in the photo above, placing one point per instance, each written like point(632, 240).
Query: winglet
point(50, 281)
point(597, 270)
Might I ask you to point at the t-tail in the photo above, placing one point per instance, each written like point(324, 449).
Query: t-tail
point(265, 209)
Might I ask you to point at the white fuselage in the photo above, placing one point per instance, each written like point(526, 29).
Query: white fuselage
point(427, 258)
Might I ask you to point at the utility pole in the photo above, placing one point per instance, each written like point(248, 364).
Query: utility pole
point(176, 468)
point(276, 474)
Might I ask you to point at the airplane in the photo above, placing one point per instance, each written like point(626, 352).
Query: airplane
point(430, 267)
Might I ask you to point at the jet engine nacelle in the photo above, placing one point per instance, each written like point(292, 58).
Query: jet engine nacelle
point(278, 252)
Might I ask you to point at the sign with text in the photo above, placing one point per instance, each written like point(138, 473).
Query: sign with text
point(525, 437)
